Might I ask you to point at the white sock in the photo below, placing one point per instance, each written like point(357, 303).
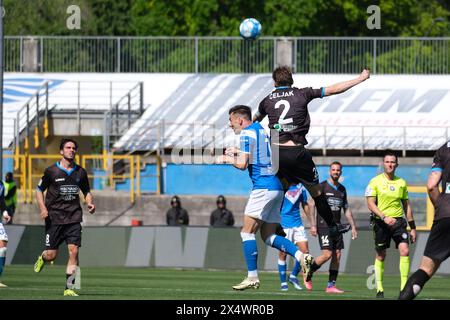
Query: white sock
point(298, 256)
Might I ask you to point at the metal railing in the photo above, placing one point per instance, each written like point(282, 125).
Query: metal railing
point(26, 170)
point(384, 55)
point(370, 137)
point(423, 207)
point(160, 135)
point(121, 100)
point(32, 111)
point(123, 113)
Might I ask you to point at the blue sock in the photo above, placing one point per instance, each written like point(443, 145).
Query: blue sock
point(296, 269)
point(250, 253)
point(282, 270)
point(282, 244)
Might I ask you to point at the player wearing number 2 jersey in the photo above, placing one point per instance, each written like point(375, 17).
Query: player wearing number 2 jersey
point(287, 110)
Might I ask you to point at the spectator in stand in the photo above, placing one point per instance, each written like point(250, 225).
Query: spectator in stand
point(176, 215)
point(221, 217)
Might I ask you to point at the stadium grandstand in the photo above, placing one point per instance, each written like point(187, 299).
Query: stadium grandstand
point(151, 113)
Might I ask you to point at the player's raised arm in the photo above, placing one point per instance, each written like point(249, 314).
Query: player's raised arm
point(345, 85)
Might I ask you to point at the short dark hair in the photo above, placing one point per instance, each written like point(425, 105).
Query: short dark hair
point(66, 140)
point(243, 111)
point(337, 163)
point(390, 153)
point(282, 76)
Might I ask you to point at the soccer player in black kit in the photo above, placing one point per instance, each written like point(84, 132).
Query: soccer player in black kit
point(287, 109)
point(336, 195)
point(62, 211)
point(437, 249)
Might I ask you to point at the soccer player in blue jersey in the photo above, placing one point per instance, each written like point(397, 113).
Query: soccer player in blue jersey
point(262, 211)
point(292, 224)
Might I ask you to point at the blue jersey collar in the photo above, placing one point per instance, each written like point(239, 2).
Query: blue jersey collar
point(332, 185)
point(282, 87)
point(65, 170)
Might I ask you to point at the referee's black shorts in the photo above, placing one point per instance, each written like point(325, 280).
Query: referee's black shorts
point(438, 243)
point(295, 165)
point(383, 234)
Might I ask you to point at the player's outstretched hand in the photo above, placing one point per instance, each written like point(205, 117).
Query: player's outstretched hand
point(91, 208)
point(365, 74)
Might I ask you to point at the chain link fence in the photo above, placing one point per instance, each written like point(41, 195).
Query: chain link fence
point(227, 54)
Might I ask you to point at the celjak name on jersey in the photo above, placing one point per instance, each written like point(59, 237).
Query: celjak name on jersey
point(281, 94)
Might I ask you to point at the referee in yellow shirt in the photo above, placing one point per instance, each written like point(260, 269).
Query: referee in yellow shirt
point(387, 199)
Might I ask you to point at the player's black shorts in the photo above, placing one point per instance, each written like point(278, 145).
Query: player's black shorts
point(329, 243)
point(296, 165)
point(382, 233)
point(56, 234)
point(438, 243)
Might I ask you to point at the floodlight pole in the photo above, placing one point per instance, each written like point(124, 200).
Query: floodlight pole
point(1, 88)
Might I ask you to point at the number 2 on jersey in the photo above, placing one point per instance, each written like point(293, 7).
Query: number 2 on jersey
point(287, 106)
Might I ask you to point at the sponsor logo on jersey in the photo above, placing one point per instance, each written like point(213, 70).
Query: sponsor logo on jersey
point(286, 127)
point(447, 187)
point(334, 203)
point(368, 192)
point(60, 179)
point(69, 192)
point(392, 188)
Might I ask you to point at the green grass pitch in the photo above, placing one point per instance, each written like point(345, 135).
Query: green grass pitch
point(176, 284)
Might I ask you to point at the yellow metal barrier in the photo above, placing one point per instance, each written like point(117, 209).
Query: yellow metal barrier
point(108, 162)
point(36, 137)
point(31, 174)
point(20, 173)
point(429, 207)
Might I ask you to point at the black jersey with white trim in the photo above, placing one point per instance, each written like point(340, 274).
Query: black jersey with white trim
point(441, 162)
point(287, 109)
point(337, 200)
point(62, 199)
